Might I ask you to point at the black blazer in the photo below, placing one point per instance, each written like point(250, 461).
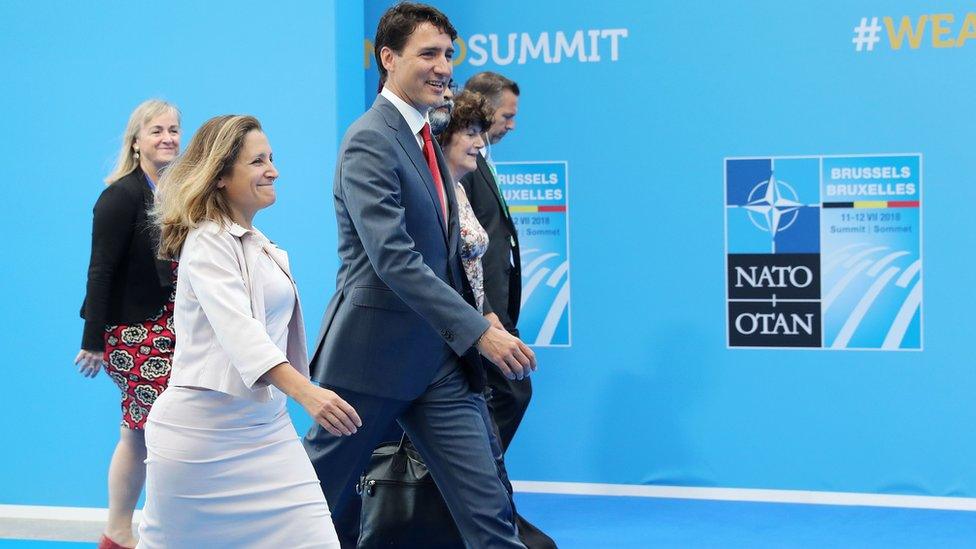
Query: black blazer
point(126, 283)
point(502, 265)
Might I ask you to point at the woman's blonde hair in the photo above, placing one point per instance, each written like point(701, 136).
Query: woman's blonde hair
point(188, 192)
point(146, 111)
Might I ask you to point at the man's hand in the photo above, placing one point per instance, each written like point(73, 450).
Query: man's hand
point(506, 351)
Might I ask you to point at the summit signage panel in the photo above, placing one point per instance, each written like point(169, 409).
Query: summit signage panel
point(824, 252)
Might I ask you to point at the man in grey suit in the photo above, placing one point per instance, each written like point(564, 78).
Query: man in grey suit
point(400, 340)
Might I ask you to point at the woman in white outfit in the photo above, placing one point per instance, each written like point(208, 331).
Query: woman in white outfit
point(225, 467)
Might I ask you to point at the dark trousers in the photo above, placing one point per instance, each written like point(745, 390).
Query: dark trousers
point(507, 403)
point(528, 533)
point(446, 425)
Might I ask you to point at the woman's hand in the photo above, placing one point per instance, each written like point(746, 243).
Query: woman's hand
point(326, 408)
point(330, 411)
point(495, 321)
point(89, 362)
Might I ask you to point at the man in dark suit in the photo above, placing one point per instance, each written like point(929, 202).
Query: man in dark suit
point(508, 398)
point(502, 266)
point(400, 338)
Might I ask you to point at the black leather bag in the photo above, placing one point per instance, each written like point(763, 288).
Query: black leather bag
point(401, 505)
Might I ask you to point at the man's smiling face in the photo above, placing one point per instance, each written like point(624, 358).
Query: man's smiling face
point(419, 74)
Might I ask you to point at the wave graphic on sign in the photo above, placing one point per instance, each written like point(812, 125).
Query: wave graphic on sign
point(545, 287)
point(860, 277)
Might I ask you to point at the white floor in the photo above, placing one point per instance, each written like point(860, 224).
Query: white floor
point(53, 523)
point(86, 524)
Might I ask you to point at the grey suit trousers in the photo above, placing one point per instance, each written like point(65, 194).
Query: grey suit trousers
point(447, 426)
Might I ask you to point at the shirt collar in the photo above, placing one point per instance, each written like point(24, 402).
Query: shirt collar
point(239, 231)
point(486, 150)
point(152, 184)
point(414, 119)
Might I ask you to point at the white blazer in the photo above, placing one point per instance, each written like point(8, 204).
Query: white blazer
point(222, 342)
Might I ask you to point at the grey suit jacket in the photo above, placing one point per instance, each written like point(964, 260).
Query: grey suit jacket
point(402, 304)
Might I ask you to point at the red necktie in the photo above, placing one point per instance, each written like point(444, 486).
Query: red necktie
point(435, 172)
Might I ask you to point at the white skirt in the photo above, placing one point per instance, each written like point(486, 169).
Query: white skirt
point(224, 471)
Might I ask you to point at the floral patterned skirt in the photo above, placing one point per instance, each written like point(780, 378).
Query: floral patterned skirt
point(138, 358)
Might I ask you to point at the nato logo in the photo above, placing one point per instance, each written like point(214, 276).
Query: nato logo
point(773, 206)
point(772, 213)
point(824, 251)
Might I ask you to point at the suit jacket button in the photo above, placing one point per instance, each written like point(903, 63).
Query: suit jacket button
point(448, 335)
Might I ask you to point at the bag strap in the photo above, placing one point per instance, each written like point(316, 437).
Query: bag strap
point(399, 462)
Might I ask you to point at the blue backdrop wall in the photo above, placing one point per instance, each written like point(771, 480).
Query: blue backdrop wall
point(642, 103)
point(645, 101)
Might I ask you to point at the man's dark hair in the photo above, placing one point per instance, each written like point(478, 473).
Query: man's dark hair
point(491, 85)
point(399, 22)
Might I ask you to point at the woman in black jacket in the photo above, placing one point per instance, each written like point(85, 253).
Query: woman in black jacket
point(128, 308)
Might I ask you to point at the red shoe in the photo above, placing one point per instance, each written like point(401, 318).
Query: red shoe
point(107, 543)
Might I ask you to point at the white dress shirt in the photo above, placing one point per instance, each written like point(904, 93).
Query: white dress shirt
point(221, 321)
point(415, 120)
